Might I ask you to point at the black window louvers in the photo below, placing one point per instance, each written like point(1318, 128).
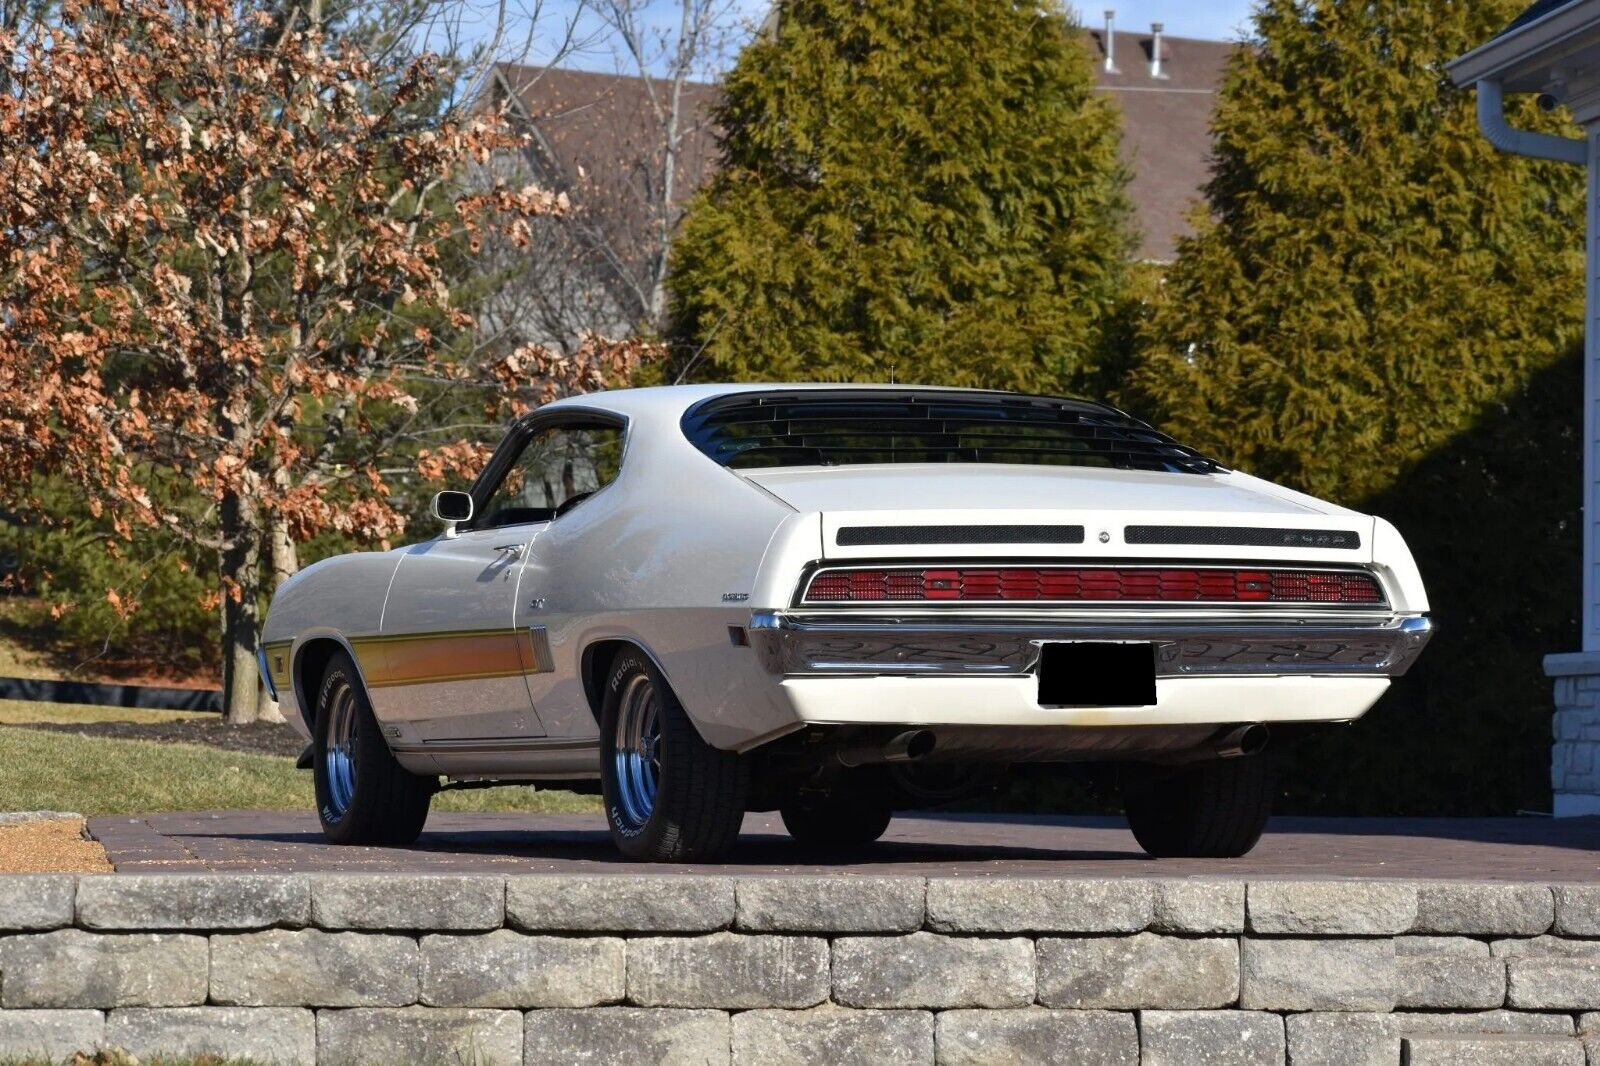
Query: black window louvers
point(1253, 536)
point(854, 536)
point(835, 427)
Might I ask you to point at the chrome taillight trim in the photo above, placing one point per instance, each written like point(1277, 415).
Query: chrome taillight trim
point(793, 644)
point(803, 598)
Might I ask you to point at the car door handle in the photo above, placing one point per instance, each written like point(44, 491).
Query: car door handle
point(514, 549)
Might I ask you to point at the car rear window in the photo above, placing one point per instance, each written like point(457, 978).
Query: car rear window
point(827, 427)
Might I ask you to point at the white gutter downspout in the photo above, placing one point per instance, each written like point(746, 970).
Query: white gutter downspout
point(1492, 121)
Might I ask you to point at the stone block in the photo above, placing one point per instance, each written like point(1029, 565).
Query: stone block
point(1452, 946)
point(1211, 1038)
point(1451, 1049)
point(1553, 983)
point(929, 971)
point(279, 1035)
point(30, 902)
point(605, 1035)
point(1199, 907)
point(74, 968)
point(1332, 908)
point(607, 904)
point(1449, 982)
point(55, 1035)
point(728, 970)
point(1545, 947)
point(1448, 972)
point(313, 968)
point(1034, 1036)
point(1577, 910)
point(510, 969)
point(455, 1035)
point(830, 904)
point(834, 1036)
point(1142, 971)
point(432, 902)
point(1039, 905)
point(1335, 975)
point(1374, 1039)
point(203, 902)
point(1484, 909)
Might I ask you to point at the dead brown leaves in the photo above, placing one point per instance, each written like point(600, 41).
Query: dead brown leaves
point(221, 250)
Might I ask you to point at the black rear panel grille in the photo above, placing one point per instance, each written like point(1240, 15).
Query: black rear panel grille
point(834, 427)
point(1253, 536)
point(854, 535)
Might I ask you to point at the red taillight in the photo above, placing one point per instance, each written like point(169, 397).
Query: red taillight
point(1074, 584)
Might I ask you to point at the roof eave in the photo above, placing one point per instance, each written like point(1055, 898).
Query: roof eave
point(1536, 45)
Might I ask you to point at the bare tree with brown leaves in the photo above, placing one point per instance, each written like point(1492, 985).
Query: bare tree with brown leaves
point(629, 148)
point(226, 250)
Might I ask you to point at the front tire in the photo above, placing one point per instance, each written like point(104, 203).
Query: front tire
point(669, 796)
point(363, 795)
point(1215, 809)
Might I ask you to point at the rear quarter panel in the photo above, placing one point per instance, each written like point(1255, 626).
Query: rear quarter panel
point(667, 557)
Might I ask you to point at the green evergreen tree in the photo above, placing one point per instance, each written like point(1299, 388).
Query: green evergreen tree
point(928, 189)
point(1382, 309)
point(1373, 273)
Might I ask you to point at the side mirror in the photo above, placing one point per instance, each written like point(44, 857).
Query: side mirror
point(451, 507)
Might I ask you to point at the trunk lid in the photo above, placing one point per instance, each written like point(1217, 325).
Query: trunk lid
point(1001, 511)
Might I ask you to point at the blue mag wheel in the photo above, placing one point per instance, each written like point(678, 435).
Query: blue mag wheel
point(669, 796)
point(364, 796)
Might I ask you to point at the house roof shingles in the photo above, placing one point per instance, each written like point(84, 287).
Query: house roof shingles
point(595, 123)
point(1166, 128)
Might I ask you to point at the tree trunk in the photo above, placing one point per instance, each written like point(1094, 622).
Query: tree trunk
point(283, 561)
point(240, 569)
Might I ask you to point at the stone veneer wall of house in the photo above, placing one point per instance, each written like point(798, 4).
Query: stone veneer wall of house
point(1575, 753)
point(692, 969)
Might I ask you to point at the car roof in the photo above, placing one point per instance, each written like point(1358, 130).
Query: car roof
point(671, 401)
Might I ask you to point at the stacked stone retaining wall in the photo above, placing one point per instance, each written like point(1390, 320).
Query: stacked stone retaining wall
point(693, 969)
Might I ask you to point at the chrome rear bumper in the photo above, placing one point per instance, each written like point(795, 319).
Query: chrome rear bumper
point(811, 645)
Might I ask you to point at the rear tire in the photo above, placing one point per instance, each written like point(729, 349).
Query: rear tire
point(363, 795)
point(1215, 809)
point(669, 796)
point(846, 818)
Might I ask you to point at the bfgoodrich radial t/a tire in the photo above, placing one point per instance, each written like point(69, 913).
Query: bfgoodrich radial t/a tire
point(363, 795)
point(1213, 809)
point(670, 796)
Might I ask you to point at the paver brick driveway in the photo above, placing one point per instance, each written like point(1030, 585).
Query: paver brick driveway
point(1509, 849)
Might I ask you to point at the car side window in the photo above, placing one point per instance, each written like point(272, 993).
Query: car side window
point(556, 470)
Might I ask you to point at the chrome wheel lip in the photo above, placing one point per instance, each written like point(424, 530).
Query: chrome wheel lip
point(339, 761)
point(636, 751)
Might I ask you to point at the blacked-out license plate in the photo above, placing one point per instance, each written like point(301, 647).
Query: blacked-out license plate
point(1086, 674)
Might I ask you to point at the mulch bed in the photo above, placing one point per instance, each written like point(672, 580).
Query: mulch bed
point(50, 846)
point(258, 738)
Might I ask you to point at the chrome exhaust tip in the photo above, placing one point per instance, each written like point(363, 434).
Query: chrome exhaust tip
point(1243, 740)
point(909, 746)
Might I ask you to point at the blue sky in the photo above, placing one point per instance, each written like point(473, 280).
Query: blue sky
point(1220, 20)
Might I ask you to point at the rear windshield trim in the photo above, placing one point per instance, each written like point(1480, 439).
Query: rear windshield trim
point(854, 426)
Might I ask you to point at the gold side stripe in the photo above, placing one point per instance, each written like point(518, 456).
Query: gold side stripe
point(454, 655)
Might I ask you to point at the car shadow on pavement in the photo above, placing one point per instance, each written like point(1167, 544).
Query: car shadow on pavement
point(915, 845)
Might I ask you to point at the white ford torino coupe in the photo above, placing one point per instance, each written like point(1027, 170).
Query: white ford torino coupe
point(838, 602)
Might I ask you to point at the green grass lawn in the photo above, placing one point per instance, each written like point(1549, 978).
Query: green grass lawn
point(13, 711)
point(103, 775)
